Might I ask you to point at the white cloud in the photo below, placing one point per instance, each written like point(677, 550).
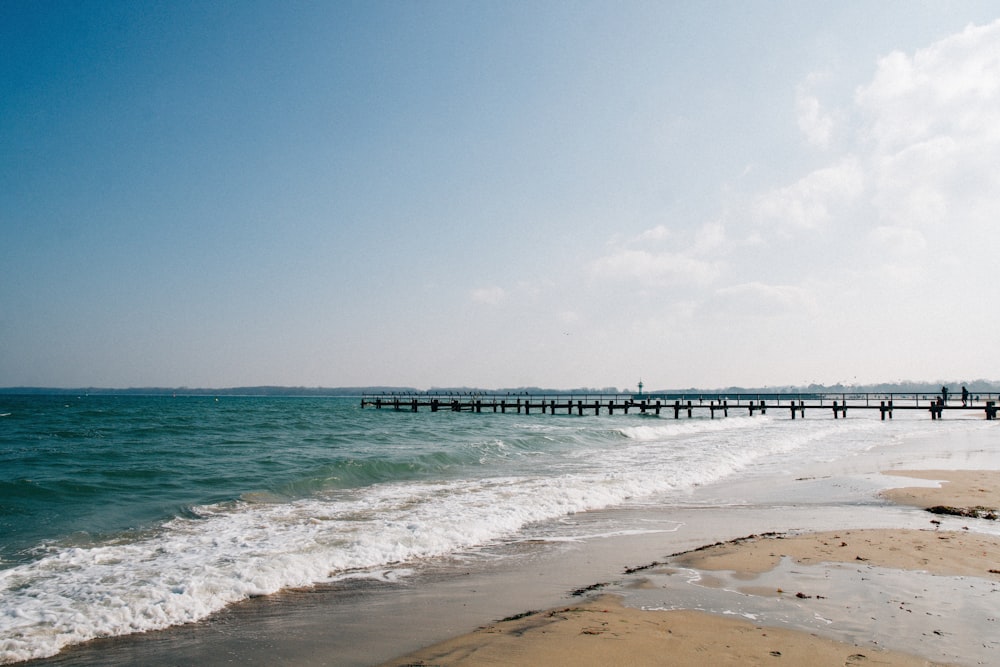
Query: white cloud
point(898, 240)
point(811, 202)
point(767, 299)
point(710, 237)
point(655, 268)
point(911, 185)
point(643, 262)
point(897, 275)
point(902, 208)
point(491, 296)
point(926, 151)
point(816, 125)
point(933, 119)
point(949, 88)
point(814, 121)
point(658, 233)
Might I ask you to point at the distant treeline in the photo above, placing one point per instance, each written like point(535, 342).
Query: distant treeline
point(195, 391)
point(984, 386)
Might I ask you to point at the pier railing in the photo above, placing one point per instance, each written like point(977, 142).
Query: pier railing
point(682, 403)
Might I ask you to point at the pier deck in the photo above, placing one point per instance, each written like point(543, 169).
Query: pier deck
point(682, 404)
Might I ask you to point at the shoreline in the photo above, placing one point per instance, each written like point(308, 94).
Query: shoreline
point(365, 621)
point(618, 623)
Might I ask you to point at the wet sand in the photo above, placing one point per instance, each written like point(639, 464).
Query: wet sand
point(896, 596)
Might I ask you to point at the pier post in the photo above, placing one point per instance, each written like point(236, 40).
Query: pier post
point(763, 408)
point(677, 409)
point(689, 409)
point(657, 408)
point(503, 406)
point(991, 410)
point(611, 407)
point(413, 404)
point(434, 405)
point(711, 408)
point(725, 408)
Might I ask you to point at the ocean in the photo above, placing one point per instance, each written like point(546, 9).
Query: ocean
point(123, 514)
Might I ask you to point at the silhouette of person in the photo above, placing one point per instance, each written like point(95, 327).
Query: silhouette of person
point(944, 394)
point(965, 395)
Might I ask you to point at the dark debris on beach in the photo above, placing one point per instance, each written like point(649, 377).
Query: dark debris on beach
point(739, 540)
point(587, 589)
point(978, 512)
point(517, 617)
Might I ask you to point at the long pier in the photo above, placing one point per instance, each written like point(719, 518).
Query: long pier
point(683, 404)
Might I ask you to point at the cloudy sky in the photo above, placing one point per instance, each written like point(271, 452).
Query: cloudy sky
point(498, 194)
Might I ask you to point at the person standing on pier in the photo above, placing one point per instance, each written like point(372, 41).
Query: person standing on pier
point(965, 396)
point(944, 395)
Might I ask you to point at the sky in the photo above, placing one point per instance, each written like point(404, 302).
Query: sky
point(498, 193)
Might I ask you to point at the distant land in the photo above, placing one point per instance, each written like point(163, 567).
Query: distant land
point(974, 386)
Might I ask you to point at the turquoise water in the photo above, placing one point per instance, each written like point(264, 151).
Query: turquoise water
point(92, 467)
point(120, 514)
point(88, 468)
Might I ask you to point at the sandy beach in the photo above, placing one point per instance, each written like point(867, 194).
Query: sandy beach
point(605, 629)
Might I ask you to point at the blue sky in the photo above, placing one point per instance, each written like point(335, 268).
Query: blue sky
point(498, 194)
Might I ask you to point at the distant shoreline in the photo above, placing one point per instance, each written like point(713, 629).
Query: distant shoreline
point(981, 386)
point(335, 392)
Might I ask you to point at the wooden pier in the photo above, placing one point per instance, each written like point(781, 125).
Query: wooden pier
point(683, 404)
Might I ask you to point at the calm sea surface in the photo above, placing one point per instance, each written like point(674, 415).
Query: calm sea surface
point(120, 514)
